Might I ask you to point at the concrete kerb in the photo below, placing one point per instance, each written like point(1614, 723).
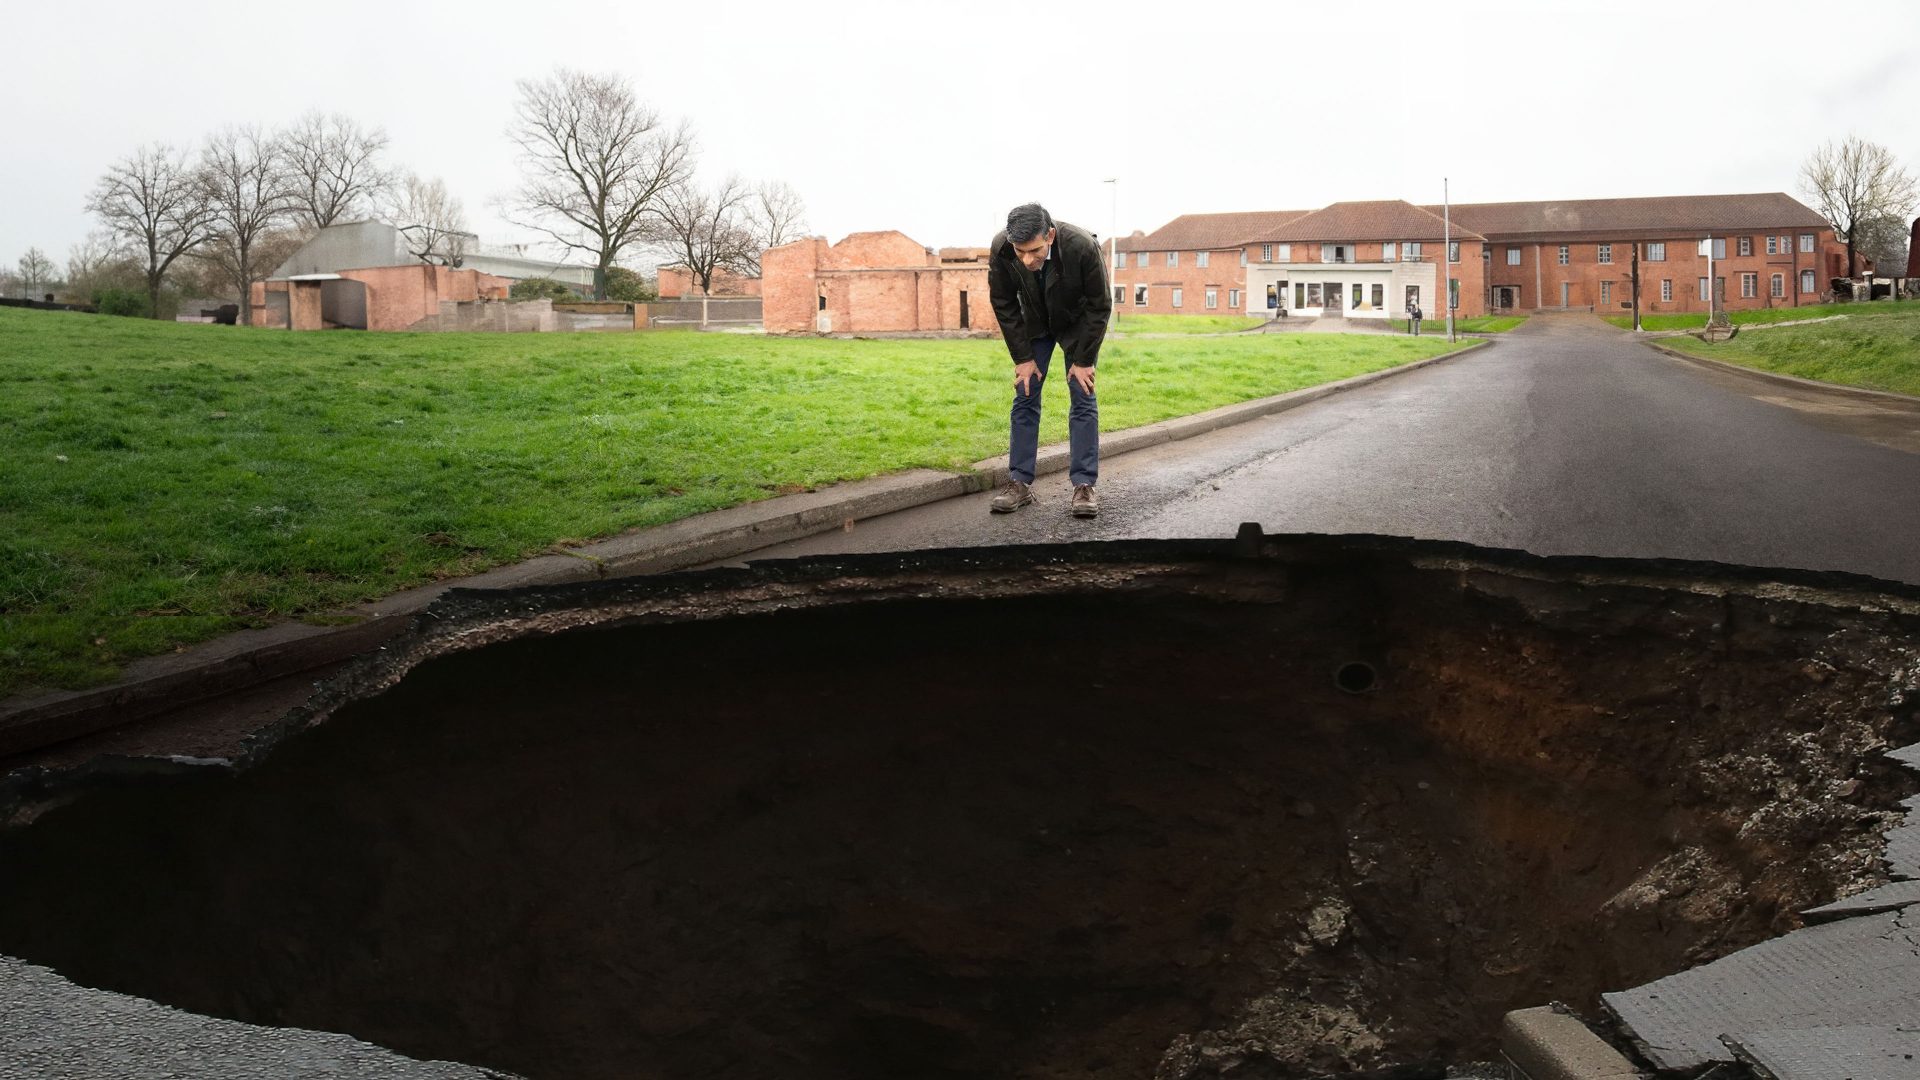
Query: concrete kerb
point(235, 661)
point(1776, 377)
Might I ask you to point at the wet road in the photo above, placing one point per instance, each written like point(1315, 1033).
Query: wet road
point(1565, 437)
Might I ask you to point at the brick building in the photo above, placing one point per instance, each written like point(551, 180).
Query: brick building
point(1193, 265)
point(1768, 250)
point(874, 282)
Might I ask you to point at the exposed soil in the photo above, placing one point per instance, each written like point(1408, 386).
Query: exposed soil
point(986, 818)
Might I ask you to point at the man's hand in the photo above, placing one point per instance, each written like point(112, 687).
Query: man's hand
point(1022, 373)
point(1083, 376)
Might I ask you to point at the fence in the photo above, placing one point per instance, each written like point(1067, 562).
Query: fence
point(703, 312)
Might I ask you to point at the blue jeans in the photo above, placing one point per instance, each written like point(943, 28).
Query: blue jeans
point(1083, 425)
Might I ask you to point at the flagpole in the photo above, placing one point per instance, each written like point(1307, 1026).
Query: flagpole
point(1446, 250)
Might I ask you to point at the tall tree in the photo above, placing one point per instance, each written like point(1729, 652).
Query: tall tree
point(248, 189)
point(1855, 183)
point(157, 206)
point(336, 170)
point(432, 221)
point(595, 163)
point(708, 230)
point(36, 272)
point(778, 216)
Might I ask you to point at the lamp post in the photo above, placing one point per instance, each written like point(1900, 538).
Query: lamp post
point(1446, 251)
point(1113, 222)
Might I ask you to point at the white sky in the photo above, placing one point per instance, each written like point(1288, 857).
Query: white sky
point(935, 118)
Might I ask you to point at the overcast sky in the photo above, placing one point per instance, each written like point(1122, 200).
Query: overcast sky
point(934, 118)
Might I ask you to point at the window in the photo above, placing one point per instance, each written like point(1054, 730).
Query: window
point(1313, 295)
point(1806, 281)
point(1657, 252)
point(1749, 285)
point(1773, 245)
point(1786, 245)
point(1300, 296)
point(1139, 296)
point(1606, 253)
point(1119, 295)
point(1563, 255)
point(1411, 251)
point(1119, 259)
point(1806, 241)
point(1606, 294)
point(1719, 247)
point(1453, 294)
point(1453, 251)
point(1703, 288)
point(1284, 253)
point(1746, 245)
point(1379, 297)
point(1243, 256)
point(1140, 260)
point(1339, 253)
point(1176, 298)
point(1200, 259)
point(1266, 252)
point(1779, 285)
point(1173, 258)
point(1387, 252)
point(1666, 290)
point(1213, 298)
point(1356, 296)
point(1513, 256)
point(1233, 298)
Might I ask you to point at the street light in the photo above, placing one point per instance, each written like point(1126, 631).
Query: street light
point(1113, 223)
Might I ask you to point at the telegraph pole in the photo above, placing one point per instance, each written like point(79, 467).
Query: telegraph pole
point(1446, 250)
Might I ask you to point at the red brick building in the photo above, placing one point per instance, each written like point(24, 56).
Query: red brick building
point(874, 282)
point(1766, 250)
point(1193, 265)
point(678, 283)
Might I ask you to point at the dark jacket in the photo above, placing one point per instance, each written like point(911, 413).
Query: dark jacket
point(1078, 302)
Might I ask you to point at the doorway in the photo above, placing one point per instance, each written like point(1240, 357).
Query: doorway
point(1566, 294)
point(965, 322)
point(1335, 303)
point(1505, 296)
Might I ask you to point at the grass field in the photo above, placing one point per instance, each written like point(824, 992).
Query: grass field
point(162, 483)
point(1769, 315)
point(1485, 324)
point(1879, 353)
point(1184, 324)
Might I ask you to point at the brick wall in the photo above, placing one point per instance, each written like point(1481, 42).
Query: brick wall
point(677, 282)
point(1222, 273)
point(873, 282)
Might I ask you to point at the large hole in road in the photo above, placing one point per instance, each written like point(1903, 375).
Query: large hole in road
point(1009, 815)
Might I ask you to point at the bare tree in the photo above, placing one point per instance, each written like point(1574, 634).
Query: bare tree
point(157, 206)
point(1884, 240)
point(777, 216)
point(335, 167)
point(432, 220)
point(708, 230)
point(36, 272)
point(595, 163)
point(1855, 183)
point(96, 262)
point(248, 190)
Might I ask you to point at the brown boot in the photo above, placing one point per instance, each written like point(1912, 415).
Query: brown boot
point(1085, 503)
point(1012, 497)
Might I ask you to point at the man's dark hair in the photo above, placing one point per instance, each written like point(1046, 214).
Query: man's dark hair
point(1026, 222)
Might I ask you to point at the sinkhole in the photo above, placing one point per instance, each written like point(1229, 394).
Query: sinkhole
point(1270, 808)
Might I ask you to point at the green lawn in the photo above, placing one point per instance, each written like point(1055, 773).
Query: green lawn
point(1881, 353)
point(1184, 324)
point(1485, 324)
point(1769, 315)
point(161, 483)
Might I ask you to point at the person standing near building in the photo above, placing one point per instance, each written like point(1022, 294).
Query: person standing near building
point(1048, 282)
point(1413, 317)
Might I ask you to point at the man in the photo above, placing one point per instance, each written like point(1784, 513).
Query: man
point(1049, 286)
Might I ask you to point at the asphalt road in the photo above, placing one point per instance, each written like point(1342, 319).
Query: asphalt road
point(1565, 437)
